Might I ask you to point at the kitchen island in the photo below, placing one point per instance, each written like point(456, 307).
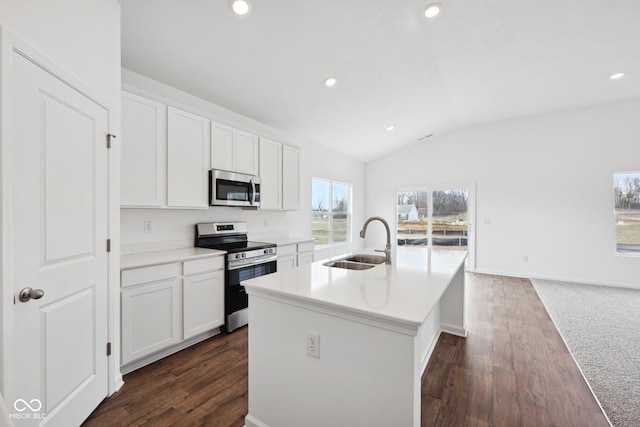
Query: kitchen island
point(337, 347)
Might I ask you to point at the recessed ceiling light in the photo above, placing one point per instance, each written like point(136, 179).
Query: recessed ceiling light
point(391, 127)
point(330, 81)
point(240, 7)
point(616, 76)
point(432, 10)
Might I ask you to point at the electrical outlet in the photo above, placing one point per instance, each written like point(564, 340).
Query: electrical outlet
point(525, 258)
point(148, 226)
point(313, 344)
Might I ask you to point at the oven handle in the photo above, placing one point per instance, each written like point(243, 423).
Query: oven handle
point(242, 264)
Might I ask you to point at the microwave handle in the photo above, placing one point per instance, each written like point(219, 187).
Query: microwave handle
point(253, 193)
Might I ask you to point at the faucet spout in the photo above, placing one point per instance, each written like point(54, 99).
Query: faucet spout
point(387, 249)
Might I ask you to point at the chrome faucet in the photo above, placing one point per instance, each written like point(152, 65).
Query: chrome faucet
point(387, 249)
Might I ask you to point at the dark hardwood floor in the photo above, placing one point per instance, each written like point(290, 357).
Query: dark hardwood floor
point(512, 370)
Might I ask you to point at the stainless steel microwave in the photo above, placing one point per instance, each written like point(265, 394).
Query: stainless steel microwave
point(233, 189)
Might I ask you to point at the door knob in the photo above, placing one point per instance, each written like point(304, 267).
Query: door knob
point(28, 294)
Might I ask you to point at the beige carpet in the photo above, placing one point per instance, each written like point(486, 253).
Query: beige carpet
point(601, 327)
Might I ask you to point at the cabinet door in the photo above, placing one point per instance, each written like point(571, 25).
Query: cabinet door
point(286, 262)
point(290, 178)
point(246, 153)
point(305, 258)
point(143, 158)
point(203, 297)
point(222, 140)
point(150, 318)
point(270, 174)
point(188, 148)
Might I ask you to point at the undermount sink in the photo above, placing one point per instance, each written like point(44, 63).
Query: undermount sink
point(367, 259)
point(349, 265)
point(357, 262)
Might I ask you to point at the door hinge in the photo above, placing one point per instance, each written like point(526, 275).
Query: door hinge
point(110, 136)
point(108, 245)
point(108, 349)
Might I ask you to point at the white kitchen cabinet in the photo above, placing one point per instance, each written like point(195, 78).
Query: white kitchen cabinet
point(150, 318)
point(293, 255)
point(169, 306)
point(203, 297)
point(143, 158)
point(290, 178)
point(287, 257)
point(270, 175)
point(234, 150)
point(188, 137)
point(280, 176)
point(304, 253)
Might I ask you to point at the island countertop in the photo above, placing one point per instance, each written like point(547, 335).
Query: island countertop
point(404, 292)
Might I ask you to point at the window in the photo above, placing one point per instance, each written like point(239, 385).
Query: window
point(439, 216)
point(331, 212)
point(626, 189)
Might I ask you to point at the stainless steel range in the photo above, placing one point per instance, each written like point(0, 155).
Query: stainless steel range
point(245, 260)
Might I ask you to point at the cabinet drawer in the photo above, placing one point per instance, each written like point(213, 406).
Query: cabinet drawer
point(136, 276)
point(202, 265)
point(306, 246)
point(286, 250)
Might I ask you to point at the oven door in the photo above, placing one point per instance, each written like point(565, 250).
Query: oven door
point(236, 297)
point(233, 189)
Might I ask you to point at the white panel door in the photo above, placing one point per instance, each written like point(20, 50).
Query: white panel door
point(270, 174)
point(188, 139)
point(59, 184)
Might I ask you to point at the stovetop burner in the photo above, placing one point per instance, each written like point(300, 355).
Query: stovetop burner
point(227, 236)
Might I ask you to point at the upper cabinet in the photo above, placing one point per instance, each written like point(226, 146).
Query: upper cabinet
point(143, 166)
point(270, 175)
point(279, 175)
point(165, 156)
point(234, 150)
point(187, 153)
point(290, 178)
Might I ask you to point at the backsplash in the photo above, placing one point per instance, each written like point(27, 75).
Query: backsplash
point(174, 228)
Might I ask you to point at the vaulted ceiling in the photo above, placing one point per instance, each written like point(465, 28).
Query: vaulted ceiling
point(477, 61)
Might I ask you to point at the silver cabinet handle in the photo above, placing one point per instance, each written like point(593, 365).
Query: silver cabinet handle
point(28, 294)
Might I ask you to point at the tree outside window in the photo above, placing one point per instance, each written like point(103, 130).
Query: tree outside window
point(331, 212)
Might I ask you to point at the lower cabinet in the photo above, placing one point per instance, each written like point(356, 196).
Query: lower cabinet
point(294, 255)
point(198, 292)
point(166, 306)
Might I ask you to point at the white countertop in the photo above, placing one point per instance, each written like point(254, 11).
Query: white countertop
point(143, 259)
point(405, 291)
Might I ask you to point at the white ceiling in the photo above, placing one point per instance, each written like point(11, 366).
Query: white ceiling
point(478, 61)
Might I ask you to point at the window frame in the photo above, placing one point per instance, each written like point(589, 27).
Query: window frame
point(616, 250)
point(331, 212)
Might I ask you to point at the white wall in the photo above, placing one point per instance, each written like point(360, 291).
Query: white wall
point(543, 182)
point(81, 37)
point(176, 227)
